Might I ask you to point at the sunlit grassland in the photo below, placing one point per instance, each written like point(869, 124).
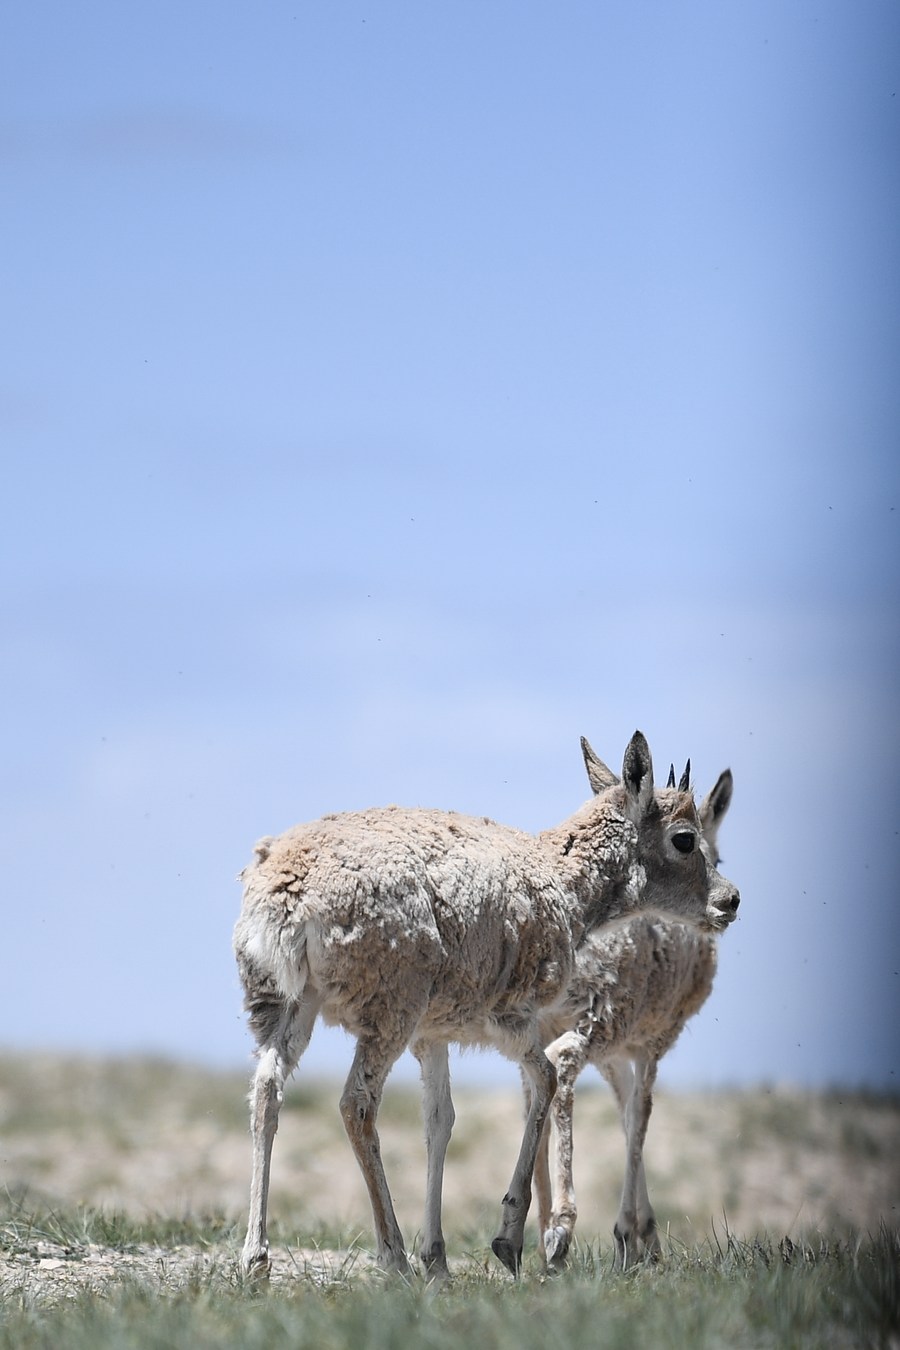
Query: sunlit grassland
point(839, 1292)
point(123, 1192)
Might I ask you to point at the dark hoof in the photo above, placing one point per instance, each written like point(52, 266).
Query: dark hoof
point(257, 1268)
point(556, 1248)
point(392, 1263)
point(652, 1244)
point(511, 1256)
point(434, 1261)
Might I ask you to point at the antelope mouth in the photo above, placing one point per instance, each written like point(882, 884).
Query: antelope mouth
point(719, 919)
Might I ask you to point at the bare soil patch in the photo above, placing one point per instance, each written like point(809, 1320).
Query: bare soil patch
point(167, 1146)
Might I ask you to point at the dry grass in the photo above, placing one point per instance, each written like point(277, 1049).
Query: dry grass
point(125, 1190)
point(146, 1138)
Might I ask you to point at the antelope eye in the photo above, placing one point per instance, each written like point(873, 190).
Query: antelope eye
point(684, 841)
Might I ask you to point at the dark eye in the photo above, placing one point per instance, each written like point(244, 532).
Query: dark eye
point(684, 842)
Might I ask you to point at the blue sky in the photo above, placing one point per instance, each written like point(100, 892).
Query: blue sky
point(392, 393)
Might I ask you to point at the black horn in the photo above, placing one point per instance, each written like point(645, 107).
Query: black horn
point(670, 781)
point(685, 782)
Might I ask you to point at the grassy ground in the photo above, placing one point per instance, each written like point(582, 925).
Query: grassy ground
point(124, 1186)
point(190, 1294)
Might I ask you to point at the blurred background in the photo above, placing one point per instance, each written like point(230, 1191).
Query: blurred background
point(391, 394)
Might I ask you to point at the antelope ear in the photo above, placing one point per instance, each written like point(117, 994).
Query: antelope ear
point(717, 801)
point(599, 776)
point(637, 775)
point(713, 808)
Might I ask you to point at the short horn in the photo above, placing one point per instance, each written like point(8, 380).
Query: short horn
point(685, 782)
point(670, 781)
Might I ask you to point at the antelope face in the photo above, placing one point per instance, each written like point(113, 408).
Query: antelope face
point(724, 898)
point(723, 902)
point(678, 843)
point(681, 878)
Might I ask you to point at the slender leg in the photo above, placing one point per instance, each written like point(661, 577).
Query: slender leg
point(648, 1234)
point(569, 1055)
point(542, 1187)
point(291, 1027)
point(507, 1245)
point(646, 1218)
point(359, 1108)
point(635, 1228)
point(438, 1116)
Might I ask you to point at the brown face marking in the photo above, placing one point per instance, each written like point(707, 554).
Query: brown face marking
point(679, 806)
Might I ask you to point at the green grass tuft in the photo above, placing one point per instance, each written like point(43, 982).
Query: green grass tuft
point(185, 1290)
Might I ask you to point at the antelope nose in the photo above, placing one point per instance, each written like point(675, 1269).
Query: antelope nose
point(734, 902)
